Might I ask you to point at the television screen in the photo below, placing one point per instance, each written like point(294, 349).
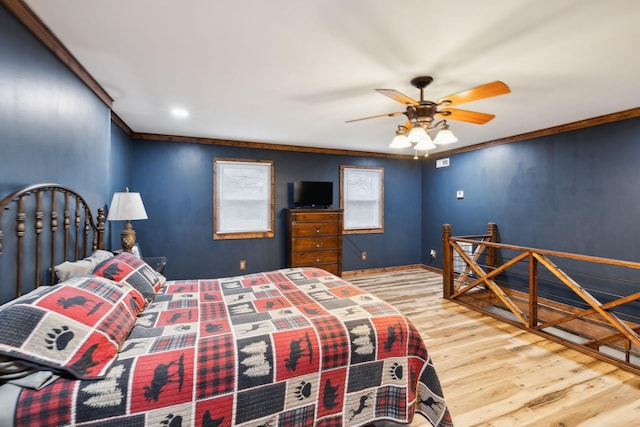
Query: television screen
point(315, 194)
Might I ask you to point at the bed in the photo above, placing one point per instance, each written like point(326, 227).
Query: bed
point(113, 343)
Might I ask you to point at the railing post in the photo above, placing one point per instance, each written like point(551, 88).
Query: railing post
point(447, 262)
point(533, 291)
point(492, 231)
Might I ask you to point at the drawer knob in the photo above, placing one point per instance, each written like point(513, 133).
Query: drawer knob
point(319, 244)
point(318, 259)
point(317, 229)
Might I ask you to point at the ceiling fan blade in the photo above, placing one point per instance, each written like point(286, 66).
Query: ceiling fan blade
point(479, 92)
point(466, 116)
point(397, 96)
point(375, 117)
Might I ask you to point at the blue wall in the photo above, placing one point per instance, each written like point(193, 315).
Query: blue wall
point(574, 192)
point(55, 129)
point(52, 127)
point(176, 183)
point(120, 166)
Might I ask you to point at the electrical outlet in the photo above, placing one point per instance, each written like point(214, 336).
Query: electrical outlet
point(432, 253)
point(363, 256)
point(243, 264)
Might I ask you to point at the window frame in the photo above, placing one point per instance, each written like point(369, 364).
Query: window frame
point(258, 177)
point(372, 178)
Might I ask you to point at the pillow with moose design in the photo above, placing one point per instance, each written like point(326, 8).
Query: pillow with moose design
point(75, 327)
point(130, 270)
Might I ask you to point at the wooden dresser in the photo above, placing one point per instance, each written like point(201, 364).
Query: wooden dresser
point(314, 239)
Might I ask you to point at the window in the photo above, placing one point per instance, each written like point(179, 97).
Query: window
point(362, 198)
point(243, 202)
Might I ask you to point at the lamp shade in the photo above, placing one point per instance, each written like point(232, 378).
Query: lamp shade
point(126, 206)
point(400, 141)
point(416, 134)
point(445, 136)
point(425, 143)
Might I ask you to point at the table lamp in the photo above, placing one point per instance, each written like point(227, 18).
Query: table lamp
point(127, 207)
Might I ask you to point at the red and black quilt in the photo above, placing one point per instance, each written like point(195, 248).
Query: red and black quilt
point(292, 347)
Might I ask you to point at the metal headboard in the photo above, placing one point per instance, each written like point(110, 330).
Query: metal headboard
point(43, 225)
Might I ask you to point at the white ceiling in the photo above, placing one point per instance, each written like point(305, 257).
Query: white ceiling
point(293, 71)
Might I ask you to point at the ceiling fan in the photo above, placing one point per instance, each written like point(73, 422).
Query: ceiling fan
point(421, 114)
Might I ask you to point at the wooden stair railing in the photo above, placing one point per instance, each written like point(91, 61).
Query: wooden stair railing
point(570, 313)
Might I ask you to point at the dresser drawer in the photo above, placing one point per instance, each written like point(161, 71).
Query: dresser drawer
point(315, 216)
point(314, 258)
point(315, 229)
point(315, 243)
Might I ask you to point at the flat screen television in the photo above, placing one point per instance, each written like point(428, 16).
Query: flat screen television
point(312, 194)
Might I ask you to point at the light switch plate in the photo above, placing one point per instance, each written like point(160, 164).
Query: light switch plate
point(460, 194)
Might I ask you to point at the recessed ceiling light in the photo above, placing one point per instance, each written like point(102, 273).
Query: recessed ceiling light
point(180, 113)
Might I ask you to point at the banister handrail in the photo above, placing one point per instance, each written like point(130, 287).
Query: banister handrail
point(569, 255)
point(608, 329)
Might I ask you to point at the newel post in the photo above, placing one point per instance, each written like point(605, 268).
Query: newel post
point(447, 262)
point(492, 231)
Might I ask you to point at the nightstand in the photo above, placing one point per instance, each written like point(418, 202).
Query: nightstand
point(157, 263)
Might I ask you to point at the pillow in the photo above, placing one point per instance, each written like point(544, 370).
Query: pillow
point(11, 368)
point(75, 327)
point(133, 271)
point(84, 266)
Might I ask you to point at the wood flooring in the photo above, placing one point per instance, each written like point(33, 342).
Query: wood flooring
point(494, 374)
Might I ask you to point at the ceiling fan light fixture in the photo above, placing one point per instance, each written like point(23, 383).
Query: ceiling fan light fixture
point(445, 136)
point(425, 143)
point(417, 134)
point(422, 113)
point(400, 141)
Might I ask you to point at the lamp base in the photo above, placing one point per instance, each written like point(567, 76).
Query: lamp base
point(128, 237)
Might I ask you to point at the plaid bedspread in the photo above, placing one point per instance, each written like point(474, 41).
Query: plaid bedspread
point(293, 347)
